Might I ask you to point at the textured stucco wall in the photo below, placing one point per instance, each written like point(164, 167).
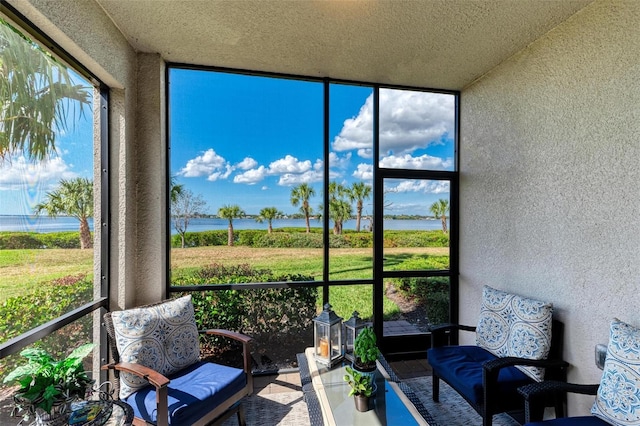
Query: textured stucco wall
point(151, 180)
point(550, 206)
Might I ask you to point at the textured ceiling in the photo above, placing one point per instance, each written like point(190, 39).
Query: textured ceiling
point(443, 44)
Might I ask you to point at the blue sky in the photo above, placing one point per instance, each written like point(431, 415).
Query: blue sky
point(24, 183)
point(249, 140)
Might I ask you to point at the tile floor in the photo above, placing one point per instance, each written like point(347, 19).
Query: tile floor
point(290, 381)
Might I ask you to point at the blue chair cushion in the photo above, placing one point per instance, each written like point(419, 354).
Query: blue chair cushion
point(572, 421)
point(193, 392)
point(461, 367)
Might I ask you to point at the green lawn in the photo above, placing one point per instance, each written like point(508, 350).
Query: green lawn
point(21, 271)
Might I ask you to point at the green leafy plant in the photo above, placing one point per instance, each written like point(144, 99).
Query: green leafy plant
point(360, 384)
point(365, 349)
point(46, 383)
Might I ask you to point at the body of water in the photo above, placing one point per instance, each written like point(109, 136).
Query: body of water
point(49, 224)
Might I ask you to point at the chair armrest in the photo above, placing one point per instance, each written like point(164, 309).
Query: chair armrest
point(440, 328)
point(246, 350)
point(156, 379)
point(549, 387)
point(242, 338)
point(491, 370)
point(537, 395)
point(441, 334)
point(152, 376)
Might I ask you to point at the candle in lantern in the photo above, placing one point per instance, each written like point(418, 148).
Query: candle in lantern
point(324, 347)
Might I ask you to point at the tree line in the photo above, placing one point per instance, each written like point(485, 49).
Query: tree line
point(185, 206)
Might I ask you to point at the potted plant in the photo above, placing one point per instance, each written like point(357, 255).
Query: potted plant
point(48, 386)
point(362, 388)
point(365, 350)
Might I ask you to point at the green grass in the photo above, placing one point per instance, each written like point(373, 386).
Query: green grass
point(346, 299)
point(22, 271)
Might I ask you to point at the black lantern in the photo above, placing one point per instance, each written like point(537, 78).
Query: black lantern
point(351, 329)
point(327, 337)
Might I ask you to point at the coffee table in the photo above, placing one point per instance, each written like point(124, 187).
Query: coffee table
point(326, 394)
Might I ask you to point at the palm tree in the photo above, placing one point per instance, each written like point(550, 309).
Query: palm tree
point(339, 211)
point(268, 214)
point(36, 95)
point(230, 212)
point(339, 208)
point(72, 198)
point(359, 192)
point(300, 195)
point(175, 189)
point(440, 209)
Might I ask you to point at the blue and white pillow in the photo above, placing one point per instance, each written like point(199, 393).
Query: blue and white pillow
point(511, 325)
point(163, 337)
point(618, 398)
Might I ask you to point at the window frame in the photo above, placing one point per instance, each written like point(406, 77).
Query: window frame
point(15, 345)
point(378, 175)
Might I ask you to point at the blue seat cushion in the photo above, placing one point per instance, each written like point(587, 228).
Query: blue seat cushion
point(461, 367)
point(572, 421)
point(193, 392)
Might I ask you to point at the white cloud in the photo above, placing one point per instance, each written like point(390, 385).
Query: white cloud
point(18, 173)
point(290, 170)
point(339, 162)
point(365, 153)
point(409, 120)
point(291, 179)
point(423, 186)
point(289, 164)
point(264, 188)
point(423, 162)
point(251, 177)
point(208, 164)
point(364, 172)
point(228, 169)
point(247, 163)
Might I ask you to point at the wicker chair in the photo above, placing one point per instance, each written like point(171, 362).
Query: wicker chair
point(534, 410)
point(488, 382)
point(198, 394)
point(617, 399)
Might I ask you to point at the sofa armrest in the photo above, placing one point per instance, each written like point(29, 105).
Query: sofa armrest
point(494, 366)
point(441, 334)
point(536, 394)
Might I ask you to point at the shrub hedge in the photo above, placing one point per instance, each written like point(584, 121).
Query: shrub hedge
point(36, 240)
point(251, 311)
point(433, 292)
point(298, 238)
point(23, 313)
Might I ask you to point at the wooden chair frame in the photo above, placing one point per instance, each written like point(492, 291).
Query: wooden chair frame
point(161, 383)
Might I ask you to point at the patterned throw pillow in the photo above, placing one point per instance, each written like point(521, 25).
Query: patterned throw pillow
point(618, 399)
point(512, 325)
point(163, 337)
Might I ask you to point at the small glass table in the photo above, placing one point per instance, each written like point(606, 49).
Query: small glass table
point(112, 413)
point(391, 405)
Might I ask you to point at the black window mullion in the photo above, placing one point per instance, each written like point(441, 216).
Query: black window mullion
point(325, 197)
